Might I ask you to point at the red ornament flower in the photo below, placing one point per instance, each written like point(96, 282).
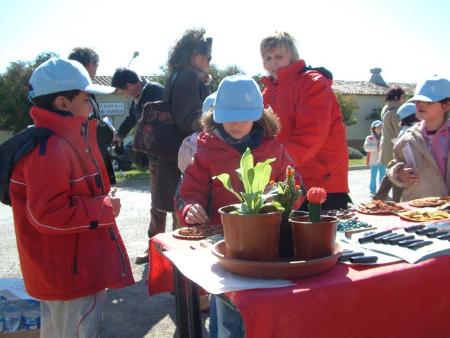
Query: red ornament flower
point(316, 195)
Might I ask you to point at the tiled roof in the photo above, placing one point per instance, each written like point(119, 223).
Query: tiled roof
point(339, 86)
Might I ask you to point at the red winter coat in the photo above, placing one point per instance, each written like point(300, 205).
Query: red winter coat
point(68, 241)
point(312, 130)
point(213, 157)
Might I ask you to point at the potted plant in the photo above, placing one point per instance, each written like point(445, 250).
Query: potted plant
point(287, 193)
point(251, 227)
point(314, 235)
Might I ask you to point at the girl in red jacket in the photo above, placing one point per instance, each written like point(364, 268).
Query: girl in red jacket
point(237, 121)
point(312, 128)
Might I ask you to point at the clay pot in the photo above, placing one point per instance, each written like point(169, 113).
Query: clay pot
point(313, 240)
point(251, 237)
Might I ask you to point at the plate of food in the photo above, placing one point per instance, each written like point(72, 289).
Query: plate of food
point(378, 207)
point(340, 214)
point(424, 215)
point(198, 232)
point(427, 202)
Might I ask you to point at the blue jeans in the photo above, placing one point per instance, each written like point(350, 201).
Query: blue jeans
point(229, 320)
point(375, 169)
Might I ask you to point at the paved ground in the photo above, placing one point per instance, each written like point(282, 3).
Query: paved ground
point(131, 312)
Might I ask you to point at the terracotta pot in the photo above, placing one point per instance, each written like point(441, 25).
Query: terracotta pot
point(286, 246)
point(251, 237)
point(313, 240)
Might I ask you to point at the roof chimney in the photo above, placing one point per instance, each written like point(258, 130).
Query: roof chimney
point(376, 77)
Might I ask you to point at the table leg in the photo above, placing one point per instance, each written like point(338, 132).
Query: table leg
point(187, 306)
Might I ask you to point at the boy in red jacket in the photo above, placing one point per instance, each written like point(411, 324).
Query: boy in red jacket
point(70, 248)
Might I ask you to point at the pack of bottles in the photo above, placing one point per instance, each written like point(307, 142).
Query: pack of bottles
point(21, 314)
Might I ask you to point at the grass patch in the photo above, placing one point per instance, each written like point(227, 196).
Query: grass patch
point(357, 162)
point(132, 175)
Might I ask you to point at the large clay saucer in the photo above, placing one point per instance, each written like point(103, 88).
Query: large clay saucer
point(278, 269)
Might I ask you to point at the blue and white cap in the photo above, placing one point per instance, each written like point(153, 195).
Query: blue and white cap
point(432, 90)
point(406, 109)
point(60, 75)
point(209, 102)
point(238, 99)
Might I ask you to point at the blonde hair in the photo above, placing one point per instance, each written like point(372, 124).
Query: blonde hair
point(269, 122)
point(280, 39)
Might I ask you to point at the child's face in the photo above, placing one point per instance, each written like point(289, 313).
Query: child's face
point(377, 130)
point(79, 106)
point(276, 58)
point(431, 111)
point(238, 130)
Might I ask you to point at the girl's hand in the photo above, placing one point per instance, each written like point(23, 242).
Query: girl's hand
point(196, 215)
point(408, 176)
point(115, 201)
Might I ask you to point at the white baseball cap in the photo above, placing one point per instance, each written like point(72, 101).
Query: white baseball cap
point(432, 90)
point(59, 75)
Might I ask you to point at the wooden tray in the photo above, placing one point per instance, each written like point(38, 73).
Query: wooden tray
point(278, 269)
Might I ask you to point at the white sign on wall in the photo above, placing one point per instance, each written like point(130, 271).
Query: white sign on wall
point(112, 108)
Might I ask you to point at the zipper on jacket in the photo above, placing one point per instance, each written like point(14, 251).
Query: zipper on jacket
point(75, 257)
point(121, 254)
point(85, 133)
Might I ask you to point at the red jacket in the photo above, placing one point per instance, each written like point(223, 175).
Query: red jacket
point(311, 125)
point(213, 157)
point(68, 241)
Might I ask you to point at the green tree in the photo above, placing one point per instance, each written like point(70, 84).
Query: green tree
point(14, 93)
point(349, 108)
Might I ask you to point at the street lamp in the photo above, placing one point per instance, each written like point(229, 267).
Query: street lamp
point(135, 55)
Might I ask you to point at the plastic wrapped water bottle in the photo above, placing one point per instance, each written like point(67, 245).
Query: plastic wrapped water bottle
point(32, 315)
point(12, 318)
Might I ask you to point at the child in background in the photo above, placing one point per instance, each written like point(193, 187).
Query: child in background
point(70, 248)
point(421, 158)
point(407, 115)
point(238, 120)
point(372, 147)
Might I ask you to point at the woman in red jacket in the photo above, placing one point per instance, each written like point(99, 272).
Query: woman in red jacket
point(312, 128)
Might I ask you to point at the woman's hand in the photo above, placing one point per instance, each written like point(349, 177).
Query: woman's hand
point(115, 201)
point(407, 176)
point(196, 215)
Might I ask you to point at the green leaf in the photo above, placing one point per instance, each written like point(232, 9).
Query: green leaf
point(226, 181)
point(262, 173)
point(246, 166)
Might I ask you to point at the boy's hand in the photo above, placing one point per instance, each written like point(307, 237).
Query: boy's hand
point(407, 176)
point(115, 201)
point(196, 215)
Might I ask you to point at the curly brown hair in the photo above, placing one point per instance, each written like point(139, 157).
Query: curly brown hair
point(269, 122)
point(192, 42)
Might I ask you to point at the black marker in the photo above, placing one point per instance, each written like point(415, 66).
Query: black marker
point(426, 231)
point(408, 242)
point(413, 228)
point(419, 245)
point(370, 238)
point(399, 239)
point(364, 259)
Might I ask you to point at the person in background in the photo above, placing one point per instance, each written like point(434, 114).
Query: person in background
point(312, 128)
point(372, 147)
point(90, 60)
point(128, 83)
point(421, 156)
point(69, 245)
point(391, 127)
point(407, 115)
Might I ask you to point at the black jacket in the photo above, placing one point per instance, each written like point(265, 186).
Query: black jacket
point(152, 91)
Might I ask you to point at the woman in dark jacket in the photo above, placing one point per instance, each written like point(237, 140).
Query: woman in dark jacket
point(185, 90)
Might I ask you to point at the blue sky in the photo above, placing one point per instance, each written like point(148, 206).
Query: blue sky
point(409, 40)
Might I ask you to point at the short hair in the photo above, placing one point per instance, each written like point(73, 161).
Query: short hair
point(280, 39)
point(47, 101)
point(269, 122)
point(123, 76)
point(394, 94)
point(84, 55)
point(192, 41)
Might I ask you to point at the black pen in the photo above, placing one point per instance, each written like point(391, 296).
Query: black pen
point(426, 231)
point(419, 244)
point(413, 228)
point(370, 238)
point(399, 239)
point(408, 242)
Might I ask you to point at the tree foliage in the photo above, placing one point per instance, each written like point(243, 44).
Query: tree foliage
point(349, 108)
point(14, 93)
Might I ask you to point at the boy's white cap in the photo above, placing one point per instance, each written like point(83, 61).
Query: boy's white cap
point(432, 90)
point(406, 109)
point(209, 102)
point(238, 99)
point(60, 75)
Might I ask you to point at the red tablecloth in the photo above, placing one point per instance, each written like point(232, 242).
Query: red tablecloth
point(397, 300)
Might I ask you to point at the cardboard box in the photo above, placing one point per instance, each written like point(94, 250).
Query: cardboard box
point(13, 295)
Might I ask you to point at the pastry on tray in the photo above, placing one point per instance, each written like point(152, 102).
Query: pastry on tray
point(379, 207)
point(428, 202)
point(424, 215)
point(198, 231)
